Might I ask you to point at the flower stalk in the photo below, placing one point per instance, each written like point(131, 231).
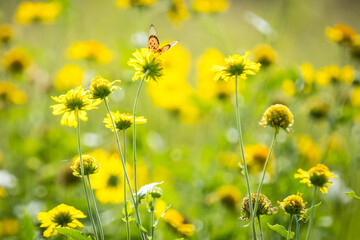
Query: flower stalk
point(126, 210)
point(312, 213)
point(289, 229)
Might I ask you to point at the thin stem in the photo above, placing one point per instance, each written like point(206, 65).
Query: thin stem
point(312, 214)
point(126, 211)
point(243, 154)
point(263, 174)
point(261, 234)
point(125, 172)
point(152, 221)
point(297, 227)
point(82, 176)
point(95, 209)
point(289, 229)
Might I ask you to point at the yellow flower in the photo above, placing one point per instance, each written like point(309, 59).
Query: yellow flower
point(75, 99)
point(30, 12)
point(178, 11)
point(308, 75)
point(318, 109)
point(90, 166)
point(174, 218)
point(229, 159)
point(60, 216)
point(309, 149)
point(109, 182)
point(207, 88)
point(90, 50)
point(256, 157)
point(16, 60)
point(264, 54)
point(236, 65)
point(278, 116)
point(341, 34)
point(3, 193)
point(355, 50)
point(228, 195)
point(210, 6)
point(289, 87)
point(101, 88)
point(128, 3)
point(122, 120)
point(354, 97)
point(6, 33)
point(264, 206)
point(11, 94)
point(318, 176)
point(334, 74)
point(9, 227)
point(69, 76)
point(293, 204)
point(147, 61)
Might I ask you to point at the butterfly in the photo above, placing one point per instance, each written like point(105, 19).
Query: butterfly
point(153, 42)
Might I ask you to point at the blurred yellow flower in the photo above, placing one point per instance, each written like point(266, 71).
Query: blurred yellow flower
point(229, 159)
point(16, 60)
point(355, 50)
point(264, 54)
point(3, 193)
point(91, 51)
point(129, 3)
point(174, 218)
point(207, 89)
point(289, 87)
point(341, 34)
point(9, 227)
point(256, 155)
point(6, 33)
point(76, 99)
point(60, 216)
point(32, 12)
point(228, 195)
point(278, 116)
point(236, 65)
point(122, 120)
point(11, 94)
point(69, 76)
point(293, 205)
point(318, 176)
point(319, 109)
point(91, 166)
point(100, 87)
point(333, 74)
point(147, 62)
point(308, 75)
point(355, 96)
point(178, 11)
point(109, 182)
point(210, 6)
point(308, 149)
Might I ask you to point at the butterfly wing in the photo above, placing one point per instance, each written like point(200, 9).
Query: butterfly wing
point(166, 47)
point(153, 41)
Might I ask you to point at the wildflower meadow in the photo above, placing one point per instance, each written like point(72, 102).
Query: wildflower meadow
point(179, 119)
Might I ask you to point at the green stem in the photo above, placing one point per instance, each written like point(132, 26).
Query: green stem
point(152, 221)
point(297, 227)
point(261, 234)
point(125, 172)
point(289, 229)
point(312, 214)
point(263, 174)
point(83, 178)
point(243, 154)
point(97, 215)
point(126, 212)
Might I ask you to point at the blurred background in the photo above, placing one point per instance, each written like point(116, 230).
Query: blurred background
point(190, 140)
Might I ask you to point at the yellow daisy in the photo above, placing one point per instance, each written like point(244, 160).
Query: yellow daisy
point(293, 204)
point(278, 116)
point(122, 120)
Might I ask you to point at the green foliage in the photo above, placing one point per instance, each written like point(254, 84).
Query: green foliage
point(281, 230)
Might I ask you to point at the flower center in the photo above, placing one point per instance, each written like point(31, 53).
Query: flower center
point(73, 103)
point(62, 218)
point(113, 181)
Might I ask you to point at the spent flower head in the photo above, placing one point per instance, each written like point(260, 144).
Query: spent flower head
point(60, 216)
point(90, 166)
point(76, 99)
point(317, 176)
point(293, 204)
point(122, 120)
point(100, 88)
point(148, 65)
point(264, 206)
point(236, 65)
point(278, 116)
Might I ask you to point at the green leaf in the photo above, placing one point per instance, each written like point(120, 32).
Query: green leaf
point(72, 233)
point(130, 219)
point(27, 230)
point(281, 230)
point(352, 195)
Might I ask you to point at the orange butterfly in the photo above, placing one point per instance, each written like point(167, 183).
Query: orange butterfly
point(153, 42)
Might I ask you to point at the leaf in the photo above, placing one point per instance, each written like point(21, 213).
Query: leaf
point(27, 230)
point(72, 233)
point(316, 205)
point(130, 219)
point(129, 208)
point(144, 189)
point(352, 195)
point(281, 230)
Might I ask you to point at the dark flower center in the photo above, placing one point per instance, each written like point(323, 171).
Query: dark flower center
point(113, 181)
point(62, 218)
